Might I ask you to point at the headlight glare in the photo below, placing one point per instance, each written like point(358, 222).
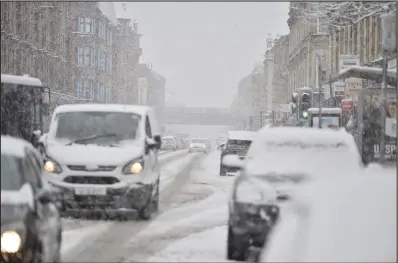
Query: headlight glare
point(51, 166)
point(134, 167)
point(10, 242)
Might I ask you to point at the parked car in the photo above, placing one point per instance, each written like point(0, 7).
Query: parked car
point(30, 222)
point(103, 158)
point(282, 159)
point(339, 219)
point(199, 145)
point(169, 143)
point(238, 142)
point(253, 210)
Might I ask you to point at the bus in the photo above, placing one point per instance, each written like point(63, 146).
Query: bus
point(24, 106)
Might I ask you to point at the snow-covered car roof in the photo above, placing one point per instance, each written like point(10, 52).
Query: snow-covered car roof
point(21, 80)
point(350, 219)
point(310, 151)
point(303, 134)
point(14, 146)
point(241, 135)
point(141, 110)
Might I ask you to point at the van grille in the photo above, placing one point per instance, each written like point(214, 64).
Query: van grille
point(91, 180)
point(100, 168)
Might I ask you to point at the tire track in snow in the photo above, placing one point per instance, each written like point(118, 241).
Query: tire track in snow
point(110, 246)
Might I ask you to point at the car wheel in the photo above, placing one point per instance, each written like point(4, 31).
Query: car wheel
point(57, 256)
point(145, 213)
point(155, 200)
point(37, 255)
point(233, 251)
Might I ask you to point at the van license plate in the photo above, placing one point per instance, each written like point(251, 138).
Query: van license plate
point(90, 191)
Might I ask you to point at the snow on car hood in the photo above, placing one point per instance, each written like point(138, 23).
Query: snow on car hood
point(311, 163)
point(79, 154)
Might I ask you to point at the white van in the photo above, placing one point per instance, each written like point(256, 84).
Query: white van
point(103, 157)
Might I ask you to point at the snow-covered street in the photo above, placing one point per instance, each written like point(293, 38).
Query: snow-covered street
point(193, 202)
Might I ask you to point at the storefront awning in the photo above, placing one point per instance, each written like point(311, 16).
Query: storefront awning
point(375, 74)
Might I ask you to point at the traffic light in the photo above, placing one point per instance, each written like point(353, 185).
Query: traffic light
point(305, 104)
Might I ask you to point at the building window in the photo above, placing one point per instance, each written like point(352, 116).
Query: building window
point(79, 89)
point(80, 56)
point(108, 95)
point(96, 27)
point(109, 38)
point(84, 25)
point(87, 56)
point(103, 57)
point(109, 71)
point(87, 89)
point(96, 91)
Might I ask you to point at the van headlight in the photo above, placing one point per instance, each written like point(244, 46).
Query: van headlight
point(51, 166)
point(134, 167)
point(10, 242)
point(248, 191)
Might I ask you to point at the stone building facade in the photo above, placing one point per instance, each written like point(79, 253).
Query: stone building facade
point(34, 41)
point(127, 55)
point(250, 100)
point(278, 56)
point(91, 36)
point(156, 89)
point(362, 39)
point(307, 39)
point(77, 49)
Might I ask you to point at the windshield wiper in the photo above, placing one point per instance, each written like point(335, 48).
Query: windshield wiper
point(80, 140)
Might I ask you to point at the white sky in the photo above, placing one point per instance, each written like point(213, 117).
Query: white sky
point(204, 49)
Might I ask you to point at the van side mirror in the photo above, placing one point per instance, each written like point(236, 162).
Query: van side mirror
point(158, 140)
point(36, 138)
point(151, 143)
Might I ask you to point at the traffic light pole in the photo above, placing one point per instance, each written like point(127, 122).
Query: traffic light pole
point(319, 90)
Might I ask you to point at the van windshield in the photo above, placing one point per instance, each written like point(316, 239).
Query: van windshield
point(97, 127)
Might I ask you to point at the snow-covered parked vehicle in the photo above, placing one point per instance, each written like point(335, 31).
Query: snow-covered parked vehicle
point(278, 160)
point(30, 222)
point(103, 159)
point(169, 143)
point(238, 143)
point(338, 219)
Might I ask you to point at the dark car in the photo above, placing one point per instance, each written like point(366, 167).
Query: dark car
point(250, 221)
point(30, 222)
point(238, 143)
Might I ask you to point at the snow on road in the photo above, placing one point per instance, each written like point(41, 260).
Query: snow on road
point(79, 231)
point(206, 246)
point(169, 154)
point(199, 208)
point(71, 239)
point(169, 171)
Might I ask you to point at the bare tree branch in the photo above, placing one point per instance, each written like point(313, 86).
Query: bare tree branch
point(334, 15)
